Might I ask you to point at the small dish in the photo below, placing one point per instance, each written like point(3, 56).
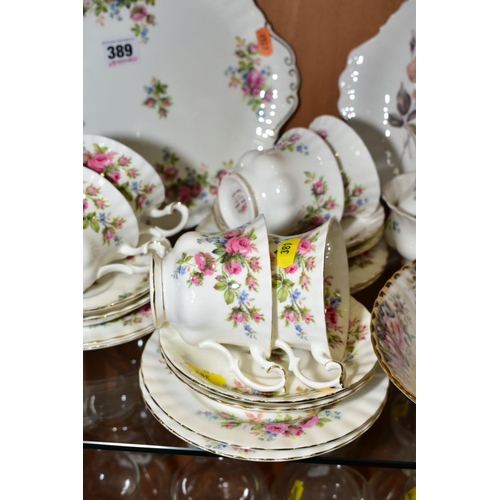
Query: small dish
point(393, 329)
point(212, 374)
point(119, 331)
point(358, 230)
point(359, 173)
point(367, 267)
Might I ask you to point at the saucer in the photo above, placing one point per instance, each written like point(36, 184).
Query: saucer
point(368, 266)
point(212, 373)
point(119, 331)
point(145, 89)
point(245, 453)
point(393, 329)
point(359, 173)
point(115, 291)
point(367, 244)
point(181, 405)
point(359, 229)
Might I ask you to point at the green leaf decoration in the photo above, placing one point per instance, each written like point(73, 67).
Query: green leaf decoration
point(282, 294)
point(229, 296)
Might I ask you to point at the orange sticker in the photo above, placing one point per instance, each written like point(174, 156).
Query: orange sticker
point(264, 41)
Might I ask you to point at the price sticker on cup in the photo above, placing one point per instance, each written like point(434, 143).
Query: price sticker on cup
point(285, 255)
point(121, 51)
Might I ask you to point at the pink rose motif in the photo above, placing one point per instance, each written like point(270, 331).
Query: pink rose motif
point(140, 200)
point(150, 102)
point(205, 263)
point(184, 194)
point(357, 191)
point(291, 269)
point(166, 101)
point(304, 281)
point(307, 317)
point(246, 89)
point(295, 137)
point(255, 264)
point(85, 205)
point(92, 190)
point(86, 156)
point(318, 188)
point(290, 316)
point(100, 203)
point(322, 133)
point(280, 428)
point(251, 283)
point(330, 204)
point(99, 161)
point(145, 309)
point(238, 316)
point(163, 112)
point(254, 78)
point(256, 317)
point(303, 247)
point(317, 220)
point(232, 233)
point(195, 280)
point(255, 91)
point(232, 267)
point(253, 48)
point(124, 161)
point(310, 263)
point(238, 244)
point(114, 176)
point(150, 19)
point(170, 173)
point(296, 431)
point(132, 173)
point(310, 422)
point(119, 223)
point(268, 97)
point(351, 209)
point(196, 190)
point(108, 234)
point(240, 53)
point(138, 13)
point(331, 317)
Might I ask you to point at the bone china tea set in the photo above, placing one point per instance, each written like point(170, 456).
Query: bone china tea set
point(243, 274)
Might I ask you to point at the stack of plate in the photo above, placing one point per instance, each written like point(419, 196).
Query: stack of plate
point(117, 309)
point(199, 399)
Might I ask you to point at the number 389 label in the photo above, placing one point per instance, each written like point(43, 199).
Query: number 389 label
point(120, 52)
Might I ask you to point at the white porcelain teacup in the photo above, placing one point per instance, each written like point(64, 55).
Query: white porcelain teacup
point(297, 185)
point(401, 226)
point(110, 231)
point(216, 289)
point(135, 178)
point(311, 295)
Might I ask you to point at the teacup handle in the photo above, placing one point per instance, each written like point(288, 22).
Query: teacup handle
point(234, 366)
point(176, 206)
point(120, 268)
point(294, 366)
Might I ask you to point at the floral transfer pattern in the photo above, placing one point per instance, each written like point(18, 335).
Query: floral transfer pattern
point(332, 300)
point(290, 284)
point(138, 13)
point(188, 185)
point(138, 317)
point(118, 169)
point(233, 254)
point(249, 75)
point(394, 327)
point(362, 260)
point(406, 113)
point(269, 429)
point(157, 97)
point(98, 220)
point(293, 145)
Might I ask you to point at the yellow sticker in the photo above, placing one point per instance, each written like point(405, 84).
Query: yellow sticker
point(285, 254)
point(214, 378)
point(297, 490)
point(411, 494)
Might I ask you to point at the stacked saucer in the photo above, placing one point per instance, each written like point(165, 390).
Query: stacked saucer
point(198, 398)
point(121, 193)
